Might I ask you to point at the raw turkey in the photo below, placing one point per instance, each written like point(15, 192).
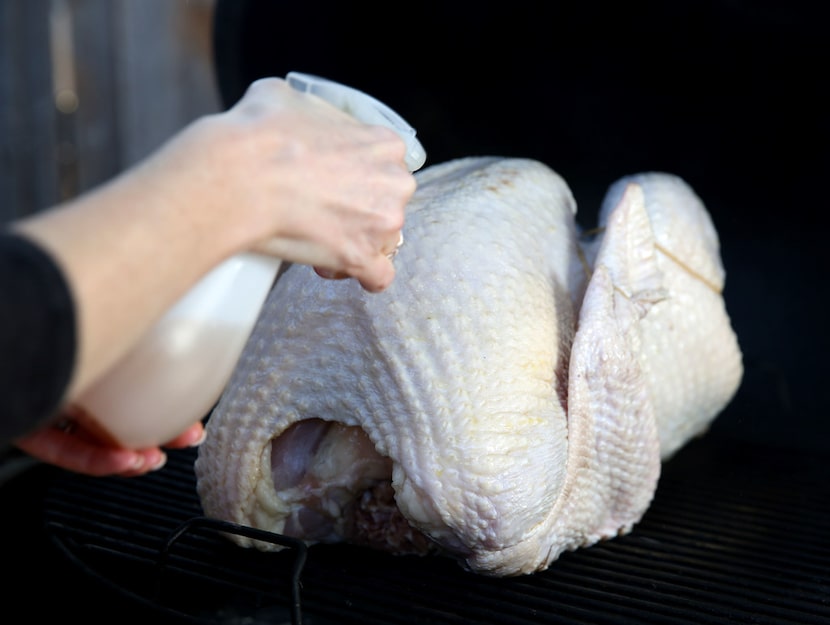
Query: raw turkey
point(510, 397)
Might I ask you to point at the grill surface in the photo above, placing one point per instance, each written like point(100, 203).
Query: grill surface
point(736, 534)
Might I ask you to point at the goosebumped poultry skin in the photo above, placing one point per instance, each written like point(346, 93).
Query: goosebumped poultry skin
point(687, 349)
point(508, 398)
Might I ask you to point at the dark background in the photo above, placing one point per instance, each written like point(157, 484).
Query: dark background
point(731, 95)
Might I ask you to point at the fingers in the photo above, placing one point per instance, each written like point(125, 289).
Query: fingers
point(377, 275)
point(373, 280)
point(191, 437)
point(70, 446)
point(382, 273)
point(78, 453)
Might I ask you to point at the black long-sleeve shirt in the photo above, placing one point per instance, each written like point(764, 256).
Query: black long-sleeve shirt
point(38, 336)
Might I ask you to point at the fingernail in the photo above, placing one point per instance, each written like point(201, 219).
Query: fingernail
point(199, 440)
point(162, 460)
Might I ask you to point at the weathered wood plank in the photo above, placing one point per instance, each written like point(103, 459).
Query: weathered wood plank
point(139, 70)
point(28, 175)
point(97, 141)
point(165, 71)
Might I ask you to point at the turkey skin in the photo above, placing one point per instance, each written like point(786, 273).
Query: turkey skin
point(509, 397)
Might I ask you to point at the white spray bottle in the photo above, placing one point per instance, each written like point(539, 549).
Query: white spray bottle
point(179, 369)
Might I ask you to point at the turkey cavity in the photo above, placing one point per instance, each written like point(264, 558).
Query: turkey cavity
point(339, 489)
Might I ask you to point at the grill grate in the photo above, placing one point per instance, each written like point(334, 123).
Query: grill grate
point(734, 535)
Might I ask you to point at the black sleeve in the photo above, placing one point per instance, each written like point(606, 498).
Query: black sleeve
point(37, 336)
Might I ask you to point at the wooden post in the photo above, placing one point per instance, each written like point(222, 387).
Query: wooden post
point(89, 87)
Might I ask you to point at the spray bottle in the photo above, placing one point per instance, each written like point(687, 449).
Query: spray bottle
point(177, 372)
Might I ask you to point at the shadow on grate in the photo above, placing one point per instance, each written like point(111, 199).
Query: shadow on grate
point(734, 535)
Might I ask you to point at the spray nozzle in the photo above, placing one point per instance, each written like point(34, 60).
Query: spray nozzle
point(364, 108)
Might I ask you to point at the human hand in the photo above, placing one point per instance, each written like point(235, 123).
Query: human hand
point(71, 445)
point(289, 173)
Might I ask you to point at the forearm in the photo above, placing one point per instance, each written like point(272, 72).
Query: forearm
point(128, 250)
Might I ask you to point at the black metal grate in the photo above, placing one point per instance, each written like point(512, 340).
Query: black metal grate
point(734, 535)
